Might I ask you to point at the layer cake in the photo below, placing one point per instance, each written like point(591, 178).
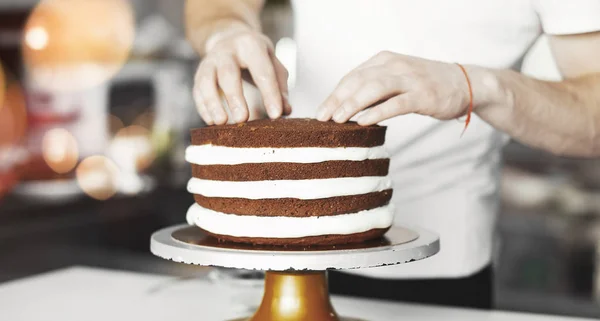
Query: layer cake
point(290, 182)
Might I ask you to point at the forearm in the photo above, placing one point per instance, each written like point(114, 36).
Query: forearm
point(559, 117)
point(205, 18)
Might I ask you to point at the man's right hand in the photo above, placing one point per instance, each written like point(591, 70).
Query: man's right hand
point(228, 55)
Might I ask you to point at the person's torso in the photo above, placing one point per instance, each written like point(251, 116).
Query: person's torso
point(430, 159)
point(335, 36)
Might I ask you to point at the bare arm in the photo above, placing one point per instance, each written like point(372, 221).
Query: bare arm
point(204, 18)
point(561, 117)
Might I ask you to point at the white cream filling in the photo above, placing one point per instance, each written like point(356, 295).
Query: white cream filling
point(222, 155)
point(300, 189)
point(289, 227)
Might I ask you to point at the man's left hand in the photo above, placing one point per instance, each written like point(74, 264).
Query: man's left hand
point(393, 84)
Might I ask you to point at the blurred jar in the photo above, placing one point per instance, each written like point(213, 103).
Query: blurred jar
point(71, 49)
point(63, 128)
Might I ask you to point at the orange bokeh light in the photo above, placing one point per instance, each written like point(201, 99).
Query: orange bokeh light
point(59, 149)
point(132, 148)
point(145, 119)
point(74, 44)
point(98, 177)
point(2, 85)
point(13, 116)
point(114, 124)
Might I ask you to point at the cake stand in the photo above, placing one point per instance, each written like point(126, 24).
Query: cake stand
point(295, 280)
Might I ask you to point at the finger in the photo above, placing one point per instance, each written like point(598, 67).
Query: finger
point(229, 78)
point(282, 80)
point(367, 95)
point(346, 87)
point(287, 107)
point(343, 90)
point(261, 68)
point(207, 82)
point(199, 102)
point(395, 106)
point(200, 107)
point(350, 83)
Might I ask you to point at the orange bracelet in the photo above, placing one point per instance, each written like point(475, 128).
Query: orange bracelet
point(470, 110)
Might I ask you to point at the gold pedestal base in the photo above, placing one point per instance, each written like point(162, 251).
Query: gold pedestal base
point(296, 296)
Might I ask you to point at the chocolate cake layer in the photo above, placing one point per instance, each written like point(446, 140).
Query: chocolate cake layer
point(305, 241)
point(291, 171)
point(291, 132)
point(296, 207)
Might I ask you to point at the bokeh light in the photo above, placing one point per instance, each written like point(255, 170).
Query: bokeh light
point(75, 44)
point(13, 116)
point(59, 149)
point(36, 38)
point(2, 85)
point(98, 177)
point(132, 149)
point(114, 124)
point(145, 119)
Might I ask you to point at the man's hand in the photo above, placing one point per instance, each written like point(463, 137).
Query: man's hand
point(394, 84)
point(561, 117)
point(228, 54)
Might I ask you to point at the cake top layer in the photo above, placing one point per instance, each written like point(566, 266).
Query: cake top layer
point(290, 132)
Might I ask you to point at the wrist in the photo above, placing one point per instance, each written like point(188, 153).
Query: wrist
point(204, 37)
point(223, 29)
point(486, 85)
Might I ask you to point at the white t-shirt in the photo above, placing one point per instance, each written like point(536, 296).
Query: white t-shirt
point(442, 182)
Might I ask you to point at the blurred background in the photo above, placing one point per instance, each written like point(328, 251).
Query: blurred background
point(93, 126)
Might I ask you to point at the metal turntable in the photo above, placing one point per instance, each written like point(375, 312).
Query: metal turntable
point(295, 286)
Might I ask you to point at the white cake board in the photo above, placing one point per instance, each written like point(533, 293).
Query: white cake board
point(187, 244)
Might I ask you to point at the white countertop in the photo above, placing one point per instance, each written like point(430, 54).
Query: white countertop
point(89, 294)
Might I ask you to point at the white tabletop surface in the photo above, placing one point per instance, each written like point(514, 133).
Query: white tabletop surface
point(88, 294)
